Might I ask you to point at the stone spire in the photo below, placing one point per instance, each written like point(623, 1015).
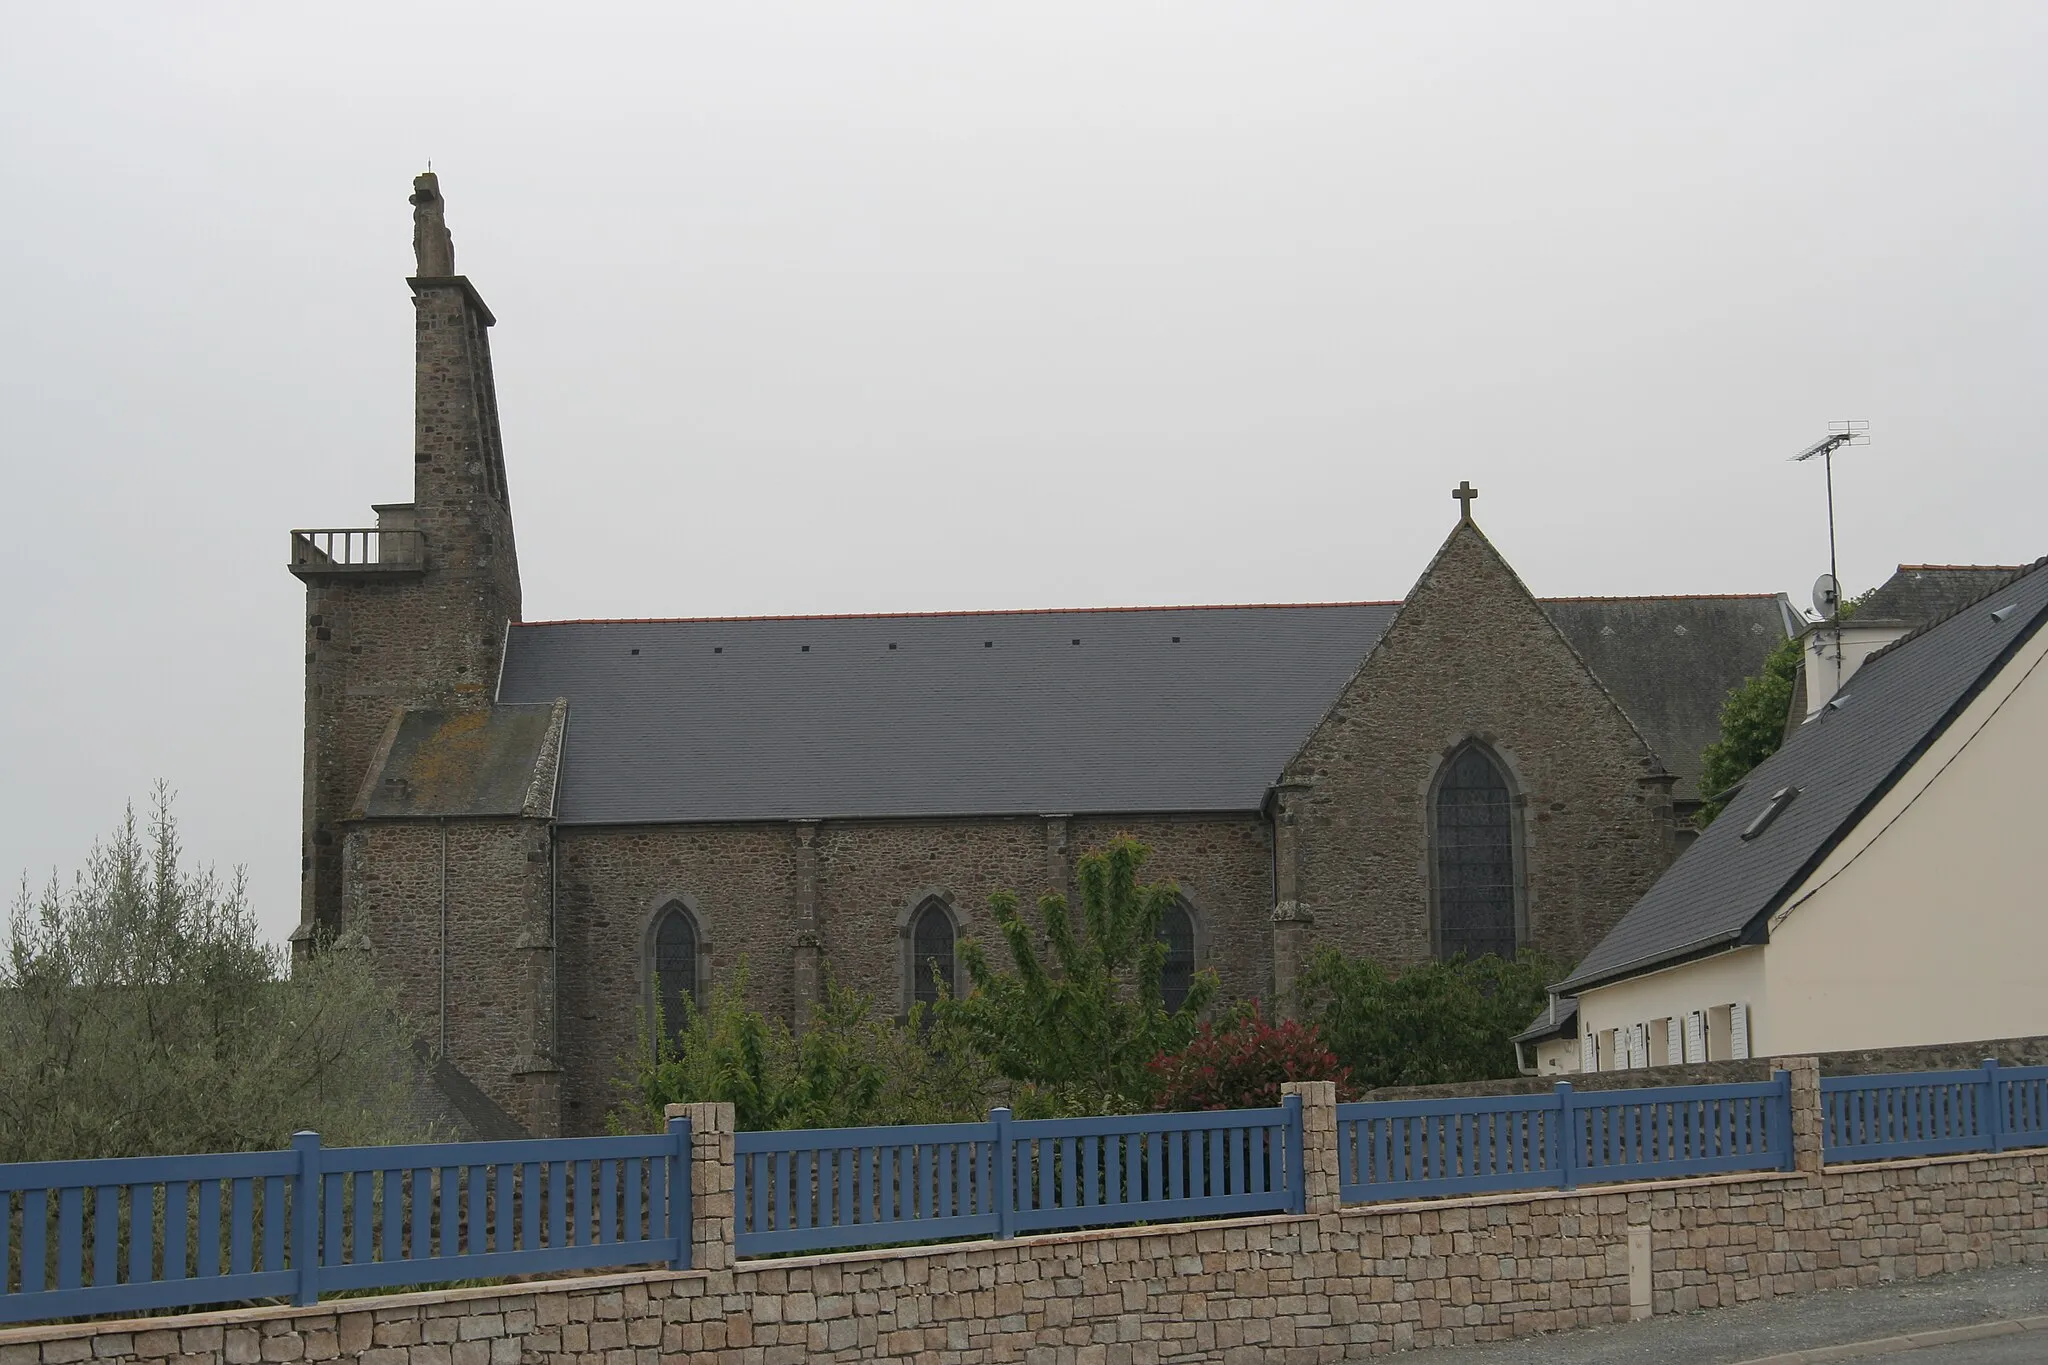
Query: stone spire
point(432, 247)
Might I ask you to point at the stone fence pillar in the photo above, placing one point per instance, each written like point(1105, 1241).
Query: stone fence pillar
point(1318, 1142)
point(1807, 1131)
point(711, 1183)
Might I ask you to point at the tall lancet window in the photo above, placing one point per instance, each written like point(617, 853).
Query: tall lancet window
point(931, 953)
point(1177, 932)
point(675, 967)
point(1474, 840)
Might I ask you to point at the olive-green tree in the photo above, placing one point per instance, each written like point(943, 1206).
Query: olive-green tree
point(1075, 1031)
point(142, 1013)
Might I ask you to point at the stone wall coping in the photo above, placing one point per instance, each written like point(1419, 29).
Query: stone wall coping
point(1947, 1159)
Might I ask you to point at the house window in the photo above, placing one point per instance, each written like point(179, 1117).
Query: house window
point(1177, 931)
point(675, 967)
point(931, 952)
point(1475, 857)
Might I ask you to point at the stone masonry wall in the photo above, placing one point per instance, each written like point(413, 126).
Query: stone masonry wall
point(740, 883)
point(497, 889)
point(737, 881)
point(1315, 1288)
point(1472, 656)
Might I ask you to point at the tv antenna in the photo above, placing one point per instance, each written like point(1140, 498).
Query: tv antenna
point(1848, 433)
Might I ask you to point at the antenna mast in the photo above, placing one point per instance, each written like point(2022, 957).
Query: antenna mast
point(1850, 433)
point(1829, 601)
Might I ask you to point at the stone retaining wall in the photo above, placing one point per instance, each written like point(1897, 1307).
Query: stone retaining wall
point(1334, 1284)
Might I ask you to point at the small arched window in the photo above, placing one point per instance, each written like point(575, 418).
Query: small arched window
point(1177, 932)
point(675, 967)
point(931, 952)
point(1474, 839)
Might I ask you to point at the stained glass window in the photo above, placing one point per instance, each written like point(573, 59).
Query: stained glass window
point(1177, 931)
point(1475, 858)
point(931, 949)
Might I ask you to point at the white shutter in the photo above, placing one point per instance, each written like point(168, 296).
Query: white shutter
point(1638, 1046)
point(1695, 1037)
point(1589, 1051)
point(1674, 1041)
point(1738, 1031)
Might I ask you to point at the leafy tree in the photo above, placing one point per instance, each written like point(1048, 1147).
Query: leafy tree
point(141, 1013)
point(1753, 721)
point(1433, 1023)
point(1752, 727)
point(1241, 1062)
point(1077, 1034)
point(848, 1067)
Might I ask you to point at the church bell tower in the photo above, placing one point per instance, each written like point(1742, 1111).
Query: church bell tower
point(413, 611)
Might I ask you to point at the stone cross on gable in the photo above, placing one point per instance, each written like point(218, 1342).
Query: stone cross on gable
point(1464, 493)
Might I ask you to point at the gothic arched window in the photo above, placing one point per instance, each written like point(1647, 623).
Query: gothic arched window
point(675, 967)
point(1177, 932)
point(1474, 838)
point(931, 952)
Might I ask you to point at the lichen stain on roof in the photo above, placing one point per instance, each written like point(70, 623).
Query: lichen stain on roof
point(461, 763)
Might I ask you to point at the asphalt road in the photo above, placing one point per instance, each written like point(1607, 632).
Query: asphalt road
point(1756, 1331)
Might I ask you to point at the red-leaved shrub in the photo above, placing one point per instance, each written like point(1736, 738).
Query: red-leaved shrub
point(1241, 1062)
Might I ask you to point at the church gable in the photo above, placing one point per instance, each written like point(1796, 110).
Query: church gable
point(1474, 784)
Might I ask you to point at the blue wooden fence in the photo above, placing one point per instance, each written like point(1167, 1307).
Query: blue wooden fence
point(1404, 1149)
point(79, 1238)
point(1928, 1113)
point(811, 1190)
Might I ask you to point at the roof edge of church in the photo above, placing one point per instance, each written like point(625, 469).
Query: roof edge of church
point(1670, 597)
point(920, 615)
point(1079, 611)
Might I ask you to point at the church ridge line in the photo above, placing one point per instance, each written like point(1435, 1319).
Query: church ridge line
point(1084, 611)
point(930, 615)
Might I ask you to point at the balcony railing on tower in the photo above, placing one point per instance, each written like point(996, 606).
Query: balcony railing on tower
point(357, 551)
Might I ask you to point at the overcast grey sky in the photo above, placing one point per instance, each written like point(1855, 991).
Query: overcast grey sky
point(863, 306)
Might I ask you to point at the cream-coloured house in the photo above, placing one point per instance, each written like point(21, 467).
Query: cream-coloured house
point(1881, 881)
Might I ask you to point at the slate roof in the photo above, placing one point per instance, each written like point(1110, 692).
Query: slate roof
point(985, 713)
point(1919, 593)
point(989, 713)
point(463, 763)
point(1559, 1019)
point(1671, 661)
point(1841, 762)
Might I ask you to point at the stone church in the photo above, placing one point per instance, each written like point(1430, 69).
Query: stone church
point(544, 828)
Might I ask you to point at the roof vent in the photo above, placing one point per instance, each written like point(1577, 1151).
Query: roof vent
point(892, 644)
point(1837, 703)
point(2004, 613)
point(1780, 799)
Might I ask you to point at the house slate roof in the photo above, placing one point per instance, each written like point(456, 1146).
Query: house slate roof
point(1559, 1019)
point(1723, 888)
point(1919, 593)
point(988, 713)
point(1671, 661)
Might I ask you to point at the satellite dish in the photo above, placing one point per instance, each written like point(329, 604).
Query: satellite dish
point(1827, 596)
